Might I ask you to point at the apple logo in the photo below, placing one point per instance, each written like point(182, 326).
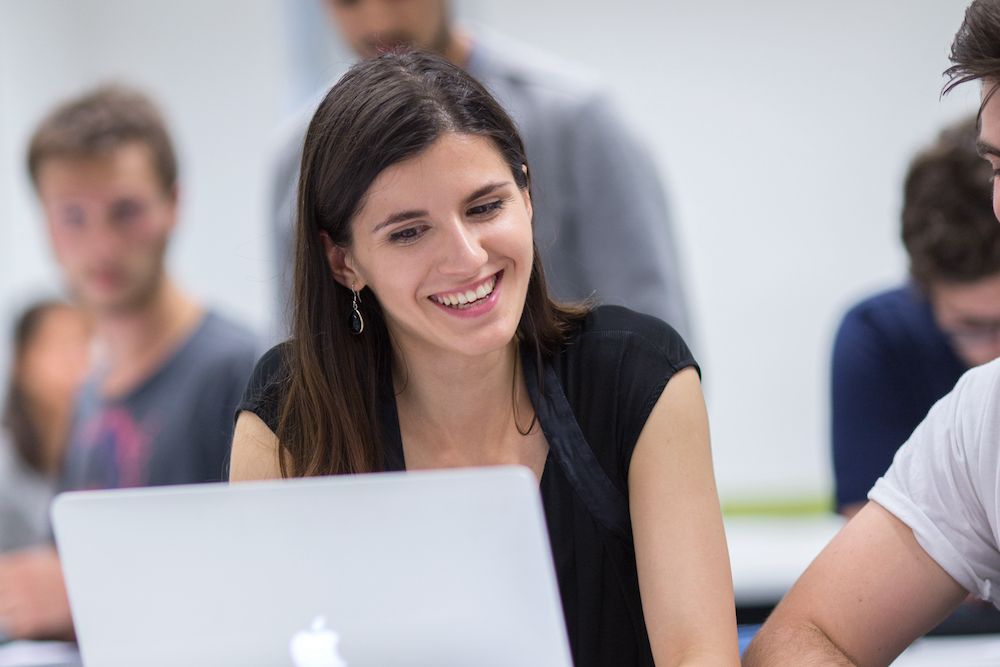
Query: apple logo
point(316, 647)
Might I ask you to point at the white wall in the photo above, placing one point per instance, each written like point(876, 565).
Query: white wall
point(219, 70)
point(783, 129)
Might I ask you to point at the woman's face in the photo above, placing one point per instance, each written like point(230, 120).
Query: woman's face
point(443, 240)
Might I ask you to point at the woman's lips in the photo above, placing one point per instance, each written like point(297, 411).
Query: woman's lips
point(459, 304)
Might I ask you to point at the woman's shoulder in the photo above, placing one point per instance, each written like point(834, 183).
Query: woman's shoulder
point(275, 361)
point(612, 370)
point(618, 361)
point(617, 331)
point(267, 385)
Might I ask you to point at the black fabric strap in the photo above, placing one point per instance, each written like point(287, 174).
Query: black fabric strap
point(566, 443)
point(570, 449)
point(388, 417)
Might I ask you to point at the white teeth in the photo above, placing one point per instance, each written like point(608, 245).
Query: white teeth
point(464, 298)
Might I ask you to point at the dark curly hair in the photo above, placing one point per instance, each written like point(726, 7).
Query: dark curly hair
point(949, 228)
point(975, 52)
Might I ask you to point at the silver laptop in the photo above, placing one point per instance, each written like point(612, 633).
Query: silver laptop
point(434, 568)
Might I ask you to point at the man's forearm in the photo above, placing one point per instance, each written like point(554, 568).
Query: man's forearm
point(800, 645)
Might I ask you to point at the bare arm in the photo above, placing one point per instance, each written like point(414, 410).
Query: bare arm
point(680, 544)
point(848, 511)
point(866, 597)
point(255, 450)
point(33, 601)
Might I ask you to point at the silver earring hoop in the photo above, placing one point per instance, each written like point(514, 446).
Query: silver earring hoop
point(357, 322)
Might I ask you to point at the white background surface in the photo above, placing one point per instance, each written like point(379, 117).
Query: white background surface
point(768, 554)
point(782, 128)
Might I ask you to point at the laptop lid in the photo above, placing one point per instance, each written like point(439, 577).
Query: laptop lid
point(425, 568)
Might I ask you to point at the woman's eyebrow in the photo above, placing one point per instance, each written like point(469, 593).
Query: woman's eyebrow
point(399, 217)
point(485, 190)
point(403, 216)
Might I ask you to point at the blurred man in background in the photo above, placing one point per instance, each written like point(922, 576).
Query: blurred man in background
point(158, 409)
point(601, 220)
point(898, 352)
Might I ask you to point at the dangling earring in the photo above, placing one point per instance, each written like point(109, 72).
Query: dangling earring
point(357, 322)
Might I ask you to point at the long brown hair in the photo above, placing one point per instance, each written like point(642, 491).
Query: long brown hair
point(383, 111)
point(18, 409)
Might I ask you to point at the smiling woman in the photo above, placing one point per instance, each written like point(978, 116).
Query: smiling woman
point(454, 274)
point(415, 218)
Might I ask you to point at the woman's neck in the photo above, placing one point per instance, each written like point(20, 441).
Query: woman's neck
point(462, 407)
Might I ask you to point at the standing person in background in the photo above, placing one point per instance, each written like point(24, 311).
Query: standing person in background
point(158, 408)
point(898, 352)
point(602, 223)
point(51, 350)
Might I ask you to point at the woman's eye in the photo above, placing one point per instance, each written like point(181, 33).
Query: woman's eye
point(407, 235)
point(486, 209)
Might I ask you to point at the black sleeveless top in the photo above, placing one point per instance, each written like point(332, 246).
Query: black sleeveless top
point(592, 403)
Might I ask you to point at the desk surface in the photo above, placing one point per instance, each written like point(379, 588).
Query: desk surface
point(974, 651)
point(968, 651)
point(768, 554)
point(39, 654)
point(978, 651)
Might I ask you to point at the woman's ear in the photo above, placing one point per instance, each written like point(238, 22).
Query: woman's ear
point(526, 192)
point(341, 264)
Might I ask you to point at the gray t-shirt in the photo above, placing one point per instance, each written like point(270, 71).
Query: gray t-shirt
point(601, 220)
point(175, 427)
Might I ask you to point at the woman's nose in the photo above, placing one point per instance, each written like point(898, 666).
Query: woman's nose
point(463, 253)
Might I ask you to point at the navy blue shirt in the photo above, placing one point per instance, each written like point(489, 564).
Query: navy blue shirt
point(891, 363)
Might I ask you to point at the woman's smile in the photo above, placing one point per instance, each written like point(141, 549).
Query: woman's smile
point(471, 301)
